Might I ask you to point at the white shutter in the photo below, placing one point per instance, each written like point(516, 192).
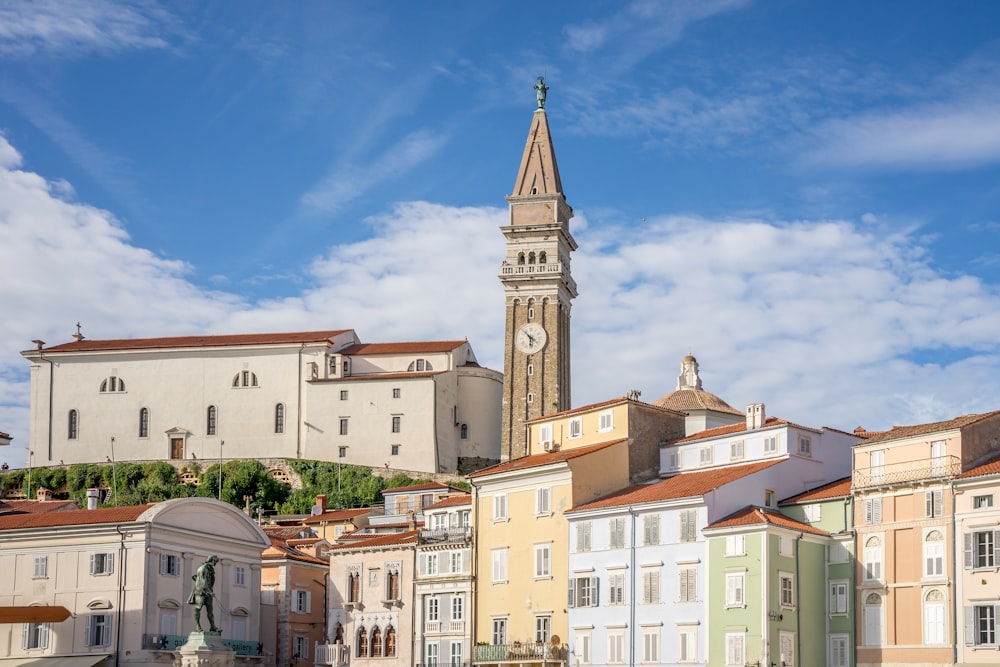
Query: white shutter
point(970, 626)
point(996, 554)
point(89, 631)
point(572, 593)
point(25, 631)
point(595, 583)
point(93, 562)
point(939, 503)
point(43, 636)
point(967, 544)
point(109, 560)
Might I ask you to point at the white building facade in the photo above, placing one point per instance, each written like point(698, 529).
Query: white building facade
point(323, 395)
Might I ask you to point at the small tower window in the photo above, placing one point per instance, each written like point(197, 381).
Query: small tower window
point(279, 418)
point(541, 258)
point(531, 369)
point(143, 422)
point(73, 427)
point(531, 398)
point(465, 431)
point(531, 258)
point(531, 313)
point(210, 420)
point(520, 258)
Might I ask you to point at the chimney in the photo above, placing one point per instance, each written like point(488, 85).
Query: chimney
point(321, 501)
point(92, 496)
point(43, 495)
point(755, 416)
point(411, 520)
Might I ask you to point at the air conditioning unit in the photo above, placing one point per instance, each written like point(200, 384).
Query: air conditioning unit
point(548, 446)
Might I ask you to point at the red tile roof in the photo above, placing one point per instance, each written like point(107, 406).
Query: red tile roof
point(731, 428)
point(837, 489)
point(991, 467)
point(684, 485)
point(404, 348)
point(283, 548)
point(595, 406)
point(338, 515)
point(87, 345)
point(536, 460)
point(36, 506)
point(389, 540)
point(426, 486)
point(453, 501)
point(73, 517)
point(752, 516)
point(899, 432)
point(402, 375)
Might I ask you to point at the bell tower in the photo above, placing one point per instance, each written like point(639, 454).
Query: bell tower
point(538, 289)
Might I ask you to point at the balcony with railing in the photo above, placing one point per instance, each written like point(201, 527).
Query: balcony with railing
point(172, 642)
point(444, 535)
point(930, 469)
point(518, 652)
point(530, 269)
point(335, 655)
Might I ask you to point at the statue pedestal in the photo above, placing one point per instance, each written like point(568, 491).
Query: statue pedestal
point(204, 649)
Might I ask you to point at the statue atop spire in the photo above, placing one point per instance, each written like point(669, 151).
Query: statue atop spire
point(540, 91)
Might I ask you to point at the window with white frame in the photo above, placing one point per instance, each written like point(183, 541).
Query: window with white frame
point(838, 651)
point(616, 589)
point(689, 525)
point(705, 456)
point(583, 536)
point(575, 427)
point(499, 631)
point(431, 651)
point(543, 628)
point(583, 591)
point(982, 502)
point(735, 642)
point(872, 622)
point(981, 624)
point(873, 511)
point(934, 618)
point(41, 567)
point(786, 586)
point(457, 608)
point(651, 529)
point(651, 585)
point(673, 459)
point(606, 421)
point(543, 501)
point(734, 589)
point(456, 562)
point(813, 512)
point(934, 503)
point(838, 597)
point(238, 624)
point(499, 565)
point(687, 643)
point(500, 507)
point(431, 564)
point(616, 536)
point(300, 646)
point(300, 602)
point(455, 654)
point(687, 584)
point(769, 498)
point(543, 560)
point(35, 636)
point(981, 549)
point(934, 554)
point(805, 446)
point(170, 564)
point(168, 618)
point(103, 563)
point(98, 630)
point(786, 647)
point(736, 450)
point(736, 545)
point(616, 647)
point(873, 559)
point(651, 645)
point(770, 444)
point(545, 434)
point(433, 609)
point(582, 647)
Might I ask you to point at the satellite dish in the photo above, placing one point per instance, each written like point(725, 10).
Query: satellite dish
point(316, 510)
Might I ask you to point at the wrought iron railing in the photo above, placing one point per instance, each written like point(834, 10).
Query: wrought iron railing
point(908, 471)
point(171, 642)
point(539, 651)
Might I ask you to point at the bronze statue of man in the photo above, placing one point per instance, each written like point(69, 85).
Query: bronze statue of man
point(540, 92)
point(203, 593)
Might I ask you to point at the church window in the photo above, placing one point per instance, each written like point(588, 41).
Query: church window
point(211, 420)
point(396, 392)
point(113, 384)
point(362, 642)
point(376, 644)
point(542, 258)
point(390, 642)
point(343, 425)
point(279, 418)
point(245, 379)
point(420, 365)
point(73, 427)
point(143, 422)
point(465, 432)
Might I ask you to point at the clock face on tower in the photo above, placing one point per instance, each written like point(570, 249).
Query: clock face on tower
point(531, 338)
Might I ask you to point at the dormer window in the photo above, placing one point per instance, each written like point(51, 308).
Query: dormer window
point(420, 365)
point(245, 379)
point(113, 385)
point(805, 446)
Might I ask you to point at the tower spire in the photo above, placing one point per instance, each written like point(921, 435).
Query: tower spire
point(539, 172)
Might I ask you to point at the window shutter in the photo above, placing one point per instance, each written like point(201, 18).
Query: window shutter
point(163, 564)
point(928, 503)
point(423, 563)
point(967, 540)
point(25, 630)
point(996, 555)
point(572, 592)
point(43, 636)
point(970, 626)
point(93, 562)
point(89, 631)
point(595, 584)
point(939, 503)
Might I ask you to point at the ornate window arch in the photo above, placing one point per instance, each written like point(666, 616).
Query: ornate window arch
point(390, 641)
point(375, 643)
point(362, 642)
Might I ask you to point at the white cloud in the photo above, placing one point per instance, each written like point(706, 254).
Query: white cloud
point(71, 27)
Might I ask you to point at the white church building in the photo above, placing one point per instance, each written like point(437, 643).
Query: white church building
point(323, 395)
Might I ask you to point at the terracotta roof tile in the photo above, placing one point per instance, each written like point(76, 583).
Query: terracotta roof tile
point(741, 428)
point(595, 406)
point(36, 506)
point(426, 486)
point(536, 460)
point(453, 501)
point(684, 400)
point(753, 516)
point(404, 348)
point(73, 517)
point(281, 549)
point(338, 515)
point(402, 375)
point(87, 345)
point(899, 432)
point(836, 489)
point(683, 485)
point(991, 467)
point(389, 540)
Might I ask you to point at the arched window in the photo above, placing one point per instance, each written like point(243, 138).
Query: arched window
point(934, 554)
point(354, 587)
point(112, 384)
point(279, 418)
point(245, 379)
point(211, 420)
point(73, 427)
point(143, 422)
point(873, 620)
point(362, 642)
point(520, 258)
point(465, 431)
point(420, 365)
point(531, 258)
point(390, 641)
point(934, 617)
point(338, 634)
point(239, 619)
point(376, 643)
point(542, 259)
point(873, 559)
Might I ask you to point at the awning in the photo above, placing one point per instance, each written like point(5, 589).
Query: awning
point(54, 660)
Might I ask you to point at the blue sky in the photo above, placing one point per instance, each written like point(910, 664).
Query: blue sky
point(804, 195)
